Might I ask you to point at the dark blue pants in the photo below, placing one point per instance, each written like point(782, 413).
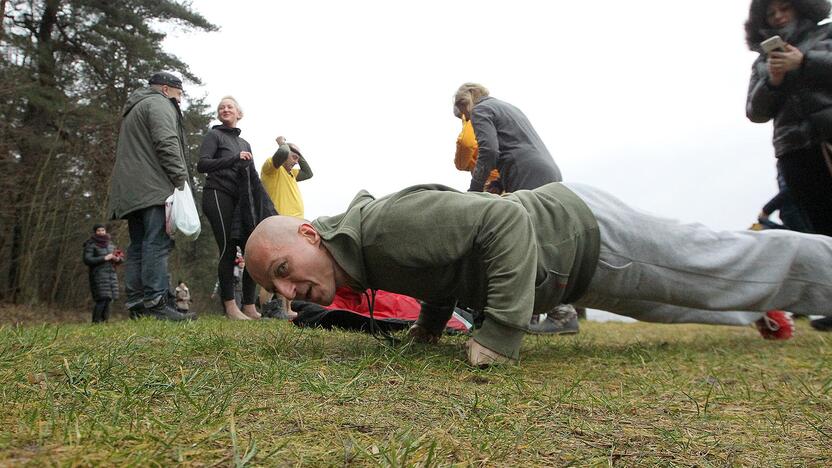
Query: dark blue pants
point(146, 273)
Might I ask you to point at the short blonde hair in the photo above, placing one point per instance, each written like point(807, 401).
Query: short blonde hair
point(236, 104)
point(467, 95)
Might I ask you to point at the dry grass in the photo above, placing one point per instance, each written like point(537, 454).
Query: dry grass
point(224, 393)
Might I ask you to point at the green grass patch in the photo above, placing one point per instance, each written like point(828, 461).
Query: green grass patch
point(216, 392)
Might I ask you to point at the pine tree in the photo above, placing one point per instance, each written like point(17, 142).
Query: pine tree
point(66, 69)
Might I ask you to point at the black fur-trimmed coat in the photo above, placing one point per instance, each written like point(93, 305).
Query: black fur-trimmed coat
point(801, 107)
point(102, 275)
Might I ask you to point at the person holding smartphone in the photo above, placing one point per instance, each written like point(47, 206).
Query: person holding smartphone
point(791, 84)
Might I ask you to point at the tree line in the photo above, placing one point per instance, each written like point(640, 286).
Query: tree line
point(66, 70)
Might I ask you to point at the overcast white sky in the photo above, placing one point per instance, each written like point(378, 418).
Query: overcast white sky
point(645, 99)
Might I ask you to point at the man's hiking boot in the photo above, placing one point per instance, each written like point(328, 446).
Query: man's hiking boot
point(163, 310)
point(775, 325)
point(822, 324)
point(562, 320)
point(136, 311)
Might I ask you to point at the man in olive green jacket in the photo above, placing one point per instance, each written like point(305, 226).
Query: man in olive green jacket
point(531, 250)
point(150, 163)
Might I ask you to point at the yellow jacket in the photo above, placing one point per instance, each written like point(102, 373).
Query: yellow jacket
point(467, 150)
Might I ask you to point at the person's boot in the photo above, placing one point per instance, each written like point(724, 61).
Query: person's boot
point(822, 324)
point(135, 312)
point(164, 310)
point(97, 315)
point(562, 320)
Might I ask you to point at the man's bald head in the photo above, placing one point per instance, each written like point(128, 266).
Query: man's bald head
point(285, 255)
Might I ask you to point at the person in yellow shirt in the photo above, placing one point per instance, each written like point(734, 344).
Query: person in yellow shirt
point(280, 178)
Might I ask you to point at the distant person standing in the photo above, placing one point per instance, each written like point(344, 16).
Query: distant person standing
point(791, 84)
point(183, 297)
point(150, 163)
point(280, 178)
point(101, 256)
point(227, 160)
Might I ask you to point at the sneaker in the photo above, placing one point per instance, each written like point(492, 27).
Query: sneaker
point(164, 310)
point(562, 320)
point(775, 325)
point(274, 309)
point(822, 324)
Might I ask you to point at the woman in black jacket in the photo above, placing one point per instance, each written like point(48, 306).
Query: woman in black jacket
point(227, 160)
point(101, 256)
point(793, 86)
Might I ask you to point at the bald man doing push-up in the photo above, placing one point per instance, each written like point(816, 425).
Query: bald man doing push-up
point(531, 250)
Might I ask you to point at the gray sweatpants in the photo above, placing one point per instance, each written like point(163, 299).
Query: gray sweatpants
point(659, 270)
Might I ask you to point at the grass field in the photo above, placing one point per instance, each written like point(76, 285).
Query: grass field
point(221, 393)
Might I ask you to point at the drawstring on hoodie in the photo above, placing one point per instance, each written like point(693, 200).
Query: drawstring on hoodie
point(383, 336)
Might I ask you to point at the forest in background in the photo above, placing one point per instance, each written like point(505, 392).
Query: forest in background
point(66, 69)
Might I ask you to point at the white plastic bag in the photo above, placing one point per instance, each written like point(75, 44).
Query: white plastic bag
point(181, 213)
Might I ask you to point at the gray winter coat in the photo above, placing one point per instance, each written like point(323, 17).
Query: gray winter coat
point(151, 153)
point(103, 279)
point(508, 142)
point(802, 106)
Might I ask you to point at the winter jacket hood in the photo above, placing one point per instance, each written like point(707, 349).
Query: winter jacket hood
point(756, 26)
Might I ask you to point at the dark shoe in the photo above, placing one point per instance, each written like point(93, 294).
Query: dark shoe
point(136, 311)
point(274, 310)
point(822, 324)
point(164, 310)
point(562, 320)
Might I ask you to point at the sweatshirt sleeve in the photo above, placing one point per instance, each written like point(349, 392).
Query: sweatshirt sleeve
point(488, 146)
point(495, 230)
point(507, 244)
point(163, 125)
point(305, 170)
point(207, 151)
point(763, 100)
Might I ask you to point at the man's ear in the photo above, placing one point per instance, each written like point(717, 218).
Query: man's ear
point(308, 232)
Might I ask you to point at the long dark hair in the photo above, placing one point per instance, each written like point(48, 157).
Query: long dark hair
point(814, 10)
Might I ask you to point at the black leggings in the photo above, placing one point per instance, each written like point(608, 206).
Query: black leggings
point(810, 184)
point(101, 310)
point(219, 209)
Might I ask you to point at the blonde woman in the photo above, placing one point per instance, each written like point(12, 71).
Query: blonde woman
point(224, 156)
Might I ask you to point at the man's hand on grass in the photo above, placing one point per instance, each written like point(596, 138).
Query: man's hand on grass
point(421, 334)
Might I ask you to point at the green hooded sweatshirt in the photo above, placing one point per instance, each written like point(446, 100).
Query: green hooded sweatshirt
point(509, 256)
point(150, 156)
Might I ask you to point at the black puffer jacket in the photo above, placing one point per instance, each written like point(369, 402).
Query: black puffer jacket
point(103, 279)
point(219, 157)
point(802, 106)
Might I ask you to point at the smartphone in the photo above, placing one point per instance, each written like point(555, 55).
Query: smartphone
point(773, 44)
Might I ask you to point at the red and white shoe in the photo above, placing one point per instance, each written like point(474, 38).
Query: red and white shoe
point(775, 325)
